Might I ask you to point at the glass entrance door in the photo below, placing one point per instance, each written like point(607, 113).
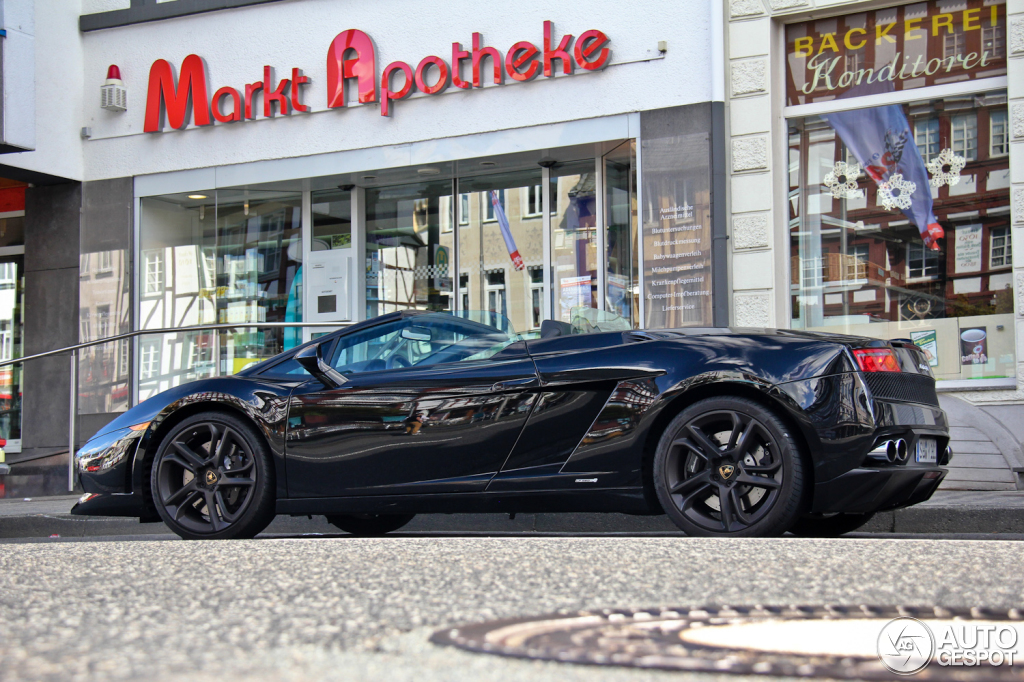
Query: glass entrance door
point(12, 308)
point(501, 246)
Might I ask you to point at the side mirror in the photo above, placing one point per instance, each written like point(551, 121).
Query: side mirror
point(312, 360)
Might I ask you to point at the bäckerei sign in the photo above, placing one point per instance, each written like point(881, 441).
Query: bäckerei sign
point(897, 48)
point(351, 61)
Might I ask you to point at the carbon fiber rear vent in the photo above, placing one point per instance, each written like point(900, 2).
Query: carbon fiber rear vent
point(908, 388)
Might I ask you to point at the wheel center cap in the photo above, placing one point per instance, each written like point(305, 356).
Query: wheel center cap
point(211, 477)
point(726, 471)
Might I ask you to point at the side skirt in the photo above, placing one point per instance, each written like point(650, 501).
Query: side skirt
point(623, 500)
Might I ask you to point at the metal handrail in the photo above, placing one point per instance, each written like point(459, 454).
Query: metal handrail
point(73, 350)
point(171, 330)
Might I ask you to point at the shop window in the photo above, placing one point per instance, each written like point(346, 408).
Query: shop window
point(153, 272)
point(926, 136)
point(407, 251)
point(1000, 254)
point(225, 256)
point(332, 220)
point(999, 133)
point(964, 129)
point(930, 291)
point(993, 41)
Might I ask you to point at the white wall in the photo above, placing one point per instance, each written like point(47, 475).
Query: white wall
point(237, 43)
point(58, 93)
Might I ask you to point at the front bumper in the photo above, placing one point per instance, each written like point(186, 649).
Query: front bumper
point(869, 490)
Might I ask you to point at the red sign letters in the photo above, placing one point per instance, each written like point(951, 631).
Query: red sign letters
point(351, 60)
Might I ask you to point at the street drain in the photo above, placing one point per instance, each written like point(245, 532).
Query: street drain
point(792, 641)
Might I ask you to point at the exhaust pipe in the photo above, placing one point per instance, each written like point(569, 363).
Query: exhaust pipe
point(890, 451)
point(902, 452)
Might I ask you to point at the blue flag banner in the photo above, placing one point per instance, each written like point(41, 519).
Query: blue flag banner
point(883, 143)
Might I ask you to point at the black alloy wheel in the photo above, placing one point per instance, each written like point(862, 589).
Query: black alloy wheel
point(828, 526)
point(729, 467)
point(212, 479)
point(369, 524)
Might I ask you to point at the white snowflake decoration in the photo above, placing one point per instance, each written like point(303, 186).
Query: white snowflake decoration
point(945, 168)
point(896, 192)
point(842, 180)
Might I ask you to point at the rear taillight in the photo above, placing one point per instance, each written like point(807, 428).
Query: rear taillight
point(876, 360)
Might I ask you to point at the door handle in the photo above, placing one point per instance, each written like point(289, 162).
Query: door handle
point(514, 383)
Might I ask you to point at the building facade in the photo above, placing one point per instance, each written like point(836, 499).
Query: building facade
point(269, 161)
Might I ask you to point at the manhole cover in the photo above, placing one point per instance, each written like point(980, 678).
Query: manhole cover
point(797, 641)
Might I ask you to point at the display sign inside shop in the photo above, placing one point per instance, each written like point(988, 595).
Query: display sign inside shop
point(897, 48)
point(352, 76)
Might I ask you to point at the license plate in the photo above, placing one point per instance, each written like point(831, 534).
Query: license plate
point(927, 451)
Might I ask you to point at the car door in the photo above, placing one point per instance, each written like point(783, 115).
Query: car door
point(407, 421)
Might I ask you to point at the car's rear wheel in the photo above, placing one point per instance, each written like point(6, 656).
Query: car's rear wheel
point(729, 467)
point(212, 478)
point(369, 524)
point(830, 526)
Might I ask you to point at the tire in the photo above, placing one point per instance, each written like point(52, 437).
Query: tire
point(819, 526)
point(369, 524)
point(214, 461)
point(732, 449)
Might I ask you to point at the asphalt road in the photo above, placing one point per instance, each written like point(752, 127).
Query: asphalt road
point(362, 609)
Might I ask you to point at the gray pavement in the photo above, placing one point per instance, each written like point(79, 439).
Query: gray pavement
point(947, 513)
point(360, 609)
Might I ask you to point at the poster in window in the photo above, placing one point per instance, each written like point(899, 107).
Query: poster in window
point(968, 248)
point(677, 245)
point(928, 341)
point(973, 346)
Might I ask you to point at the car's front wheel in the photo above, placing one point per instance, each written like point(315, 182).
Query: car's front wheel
point(729, 467)
point(213, 479)
point(369, 524)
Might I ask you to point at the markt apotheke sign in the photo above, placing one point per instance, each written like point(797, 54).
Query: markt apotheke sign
point(352, 63)
point(897, 48)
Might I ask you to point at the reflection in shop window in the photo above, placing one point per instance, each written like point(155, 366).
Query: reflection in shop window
point(964, 128)
point(857, 264)
point(999, 133)
point(861, 269)
point(993, 41)
point(496, 292)
point(926, 136)
point(533, 197)
point(489, 206)
point(6, 340)
point(537, 296)
point(153, 267)
point(463, 209)
point(953, 43)
point(1000, 248)
point(149, 359)
point(921, 262)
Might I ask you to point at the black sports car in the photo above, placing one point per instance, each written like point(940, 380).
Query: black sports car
point(730, 432)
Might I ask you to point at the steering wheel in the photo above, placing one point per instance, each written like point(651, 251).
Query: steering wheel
point(396, 362)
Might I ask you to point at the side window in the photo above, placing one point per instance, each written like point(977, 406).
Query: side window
point(416, 342)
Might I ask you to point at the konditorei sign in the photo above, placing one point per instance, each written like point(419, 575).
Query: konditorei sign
point(351, 60)
point(896, 48)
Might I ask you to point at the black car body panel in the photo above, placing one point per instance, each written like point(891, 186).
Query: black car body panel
point(563, 423)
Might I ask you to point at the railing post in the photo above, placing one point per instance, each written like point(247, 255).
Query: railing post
point(72, 423)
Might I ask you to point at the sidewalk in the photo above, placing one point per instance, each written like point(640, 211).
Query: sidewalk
point(948, 512)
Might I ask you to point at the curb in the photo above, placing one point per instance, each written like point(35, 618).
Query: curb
point(913, 520)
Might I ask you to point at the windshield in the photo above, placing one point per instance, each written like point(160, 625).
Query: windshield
point(425, 339)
